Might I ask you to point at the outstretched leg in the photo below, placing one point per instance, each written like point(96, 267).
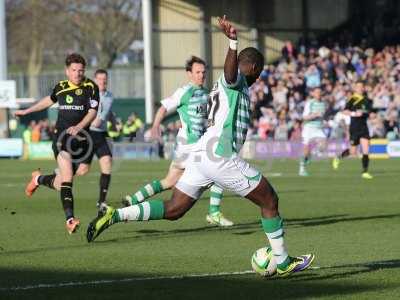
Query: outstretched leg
point(51, 181)
point(345, 153)
point(154, 187)
point(172, 209)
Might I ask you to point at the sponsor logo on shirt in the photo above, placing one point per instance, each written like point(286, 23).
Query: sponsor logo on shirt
point(71, 107)
point(69, 99)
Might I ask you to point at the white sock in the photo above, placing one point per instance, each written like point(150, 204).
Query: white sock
point(130, 213)
point(138, 212)
point(216, 195)
point(278, 246)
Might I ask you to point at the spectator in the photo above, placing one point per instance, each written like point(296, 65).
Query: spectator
point(280, 93)
point(295, 131)
point(45, 134)
point(282, 129)
point(288, 50)
point(335, 69)
point(266, 123)
point(376, 127)
point(35, 138)
point(132, 126)
point(27, 134)
point(313, 77)
point(392, 127)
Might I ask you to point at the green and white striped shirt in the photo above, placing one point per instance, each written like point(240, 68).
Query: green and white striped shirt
point(229, 118)
point(314, 106)
point(191, 103)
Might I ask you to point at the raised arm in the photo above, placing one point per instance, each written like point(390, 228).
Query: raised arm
point(42, 104)
point(231, 61)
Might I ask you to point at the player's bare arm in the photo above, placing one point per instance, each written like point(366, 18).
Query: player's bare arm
point(90, 116)
point(312, 116)
point(155, 129)
point(357, 113)
point(42, 104)
point(96, 122)
point(231, 61)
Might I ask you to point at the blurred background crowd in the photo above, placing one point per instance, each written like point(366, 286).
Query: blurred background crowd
point(279, 95)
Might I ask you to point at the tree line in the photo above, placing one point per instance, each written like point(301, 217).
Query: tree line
point(44, 31)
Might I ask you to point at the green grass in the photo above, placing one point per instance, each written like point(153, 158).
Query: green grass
point(352, 226)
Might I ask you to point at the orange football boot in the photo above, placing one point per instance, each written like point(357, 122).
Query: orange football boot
point(72, 225)
point(32, 186)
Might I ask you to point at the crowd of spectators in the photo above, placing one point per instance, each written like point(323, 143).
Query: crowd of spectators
point(38, 131)
point(278, 96)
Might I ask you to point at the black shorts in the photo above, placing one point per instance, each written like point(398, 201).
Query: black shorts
point(100, 146)
point(356, 133)
point(79, 147)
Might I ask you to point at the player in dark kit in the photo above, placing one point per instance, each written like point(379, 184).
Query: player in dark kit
point(358, 107)
point(98, 134)
point(78, 100)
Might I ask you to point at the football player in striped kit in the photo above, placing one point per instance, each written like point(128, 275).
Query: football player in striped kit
point(190, 101)
point(215, 159)
point(313, 118)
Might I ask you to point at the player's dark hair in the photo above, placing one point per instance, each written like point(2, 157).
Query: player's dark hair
point(193, 60)
point(100, 71)
point(253, 56)
point(360, 81)
point(75, 58)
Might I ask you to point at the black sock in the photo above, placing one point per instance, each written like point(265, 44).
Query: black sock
point(67, 199)
point(47, 180)
point(104, 183)
point(365, 162)
point(345, 153)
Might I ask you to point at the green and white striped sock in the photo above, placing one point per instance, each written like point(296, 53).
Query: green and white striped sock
point(148, 210)
point(147, 191)
point(215, 199)
point(273, 228)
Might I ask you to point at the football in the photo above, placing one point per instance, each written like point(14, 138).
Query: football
point(263, 262)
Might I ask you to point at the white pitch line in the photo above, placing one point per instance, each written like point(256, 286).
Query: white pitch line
point(9, 185)
point(273, 174)
point(132, 279)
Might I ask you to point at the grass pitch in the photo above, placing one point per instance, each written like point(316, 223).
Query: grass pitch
point(352, 225)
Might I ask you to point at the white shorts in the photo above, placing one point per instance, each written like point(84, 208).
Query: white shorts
point(181, 156)
point(310, 133)
point(232, 174)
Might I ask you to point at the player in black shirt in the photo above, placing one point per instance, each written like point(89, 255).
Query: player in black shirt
point(358, 107)
point(78, 100)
